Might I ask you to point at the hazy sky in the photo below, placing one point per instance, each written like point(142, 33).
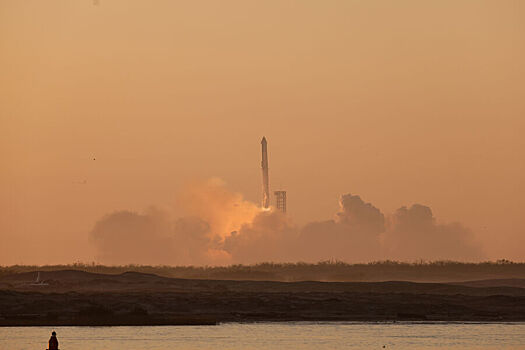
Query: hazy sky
point(400, 102)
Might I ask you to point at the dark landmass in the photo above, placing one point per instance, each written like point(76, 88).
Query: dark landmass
point(329, 271)
point(510, 282)
point(72, 297)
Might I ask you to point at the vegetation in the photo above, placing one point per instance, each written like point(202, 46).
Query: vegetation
point(430, 271)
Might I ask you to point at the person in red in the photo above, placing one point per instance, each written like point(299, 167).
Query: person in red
point(53, 341)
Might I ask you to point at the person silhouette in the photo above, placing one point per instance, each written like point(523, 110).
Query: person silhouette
point(53, 341)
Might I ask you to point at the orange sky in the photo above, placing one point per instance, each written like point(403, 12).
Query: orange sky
point(400, 102)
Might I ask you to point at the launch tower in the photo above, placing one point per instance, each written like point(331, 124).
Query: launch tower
point(280, 200)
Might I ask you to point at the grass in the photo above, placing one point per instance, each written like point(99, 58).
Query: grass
point(331, 270)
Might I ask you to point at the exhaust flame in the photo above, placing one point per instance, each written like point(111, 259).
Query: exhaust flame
point(223, 210)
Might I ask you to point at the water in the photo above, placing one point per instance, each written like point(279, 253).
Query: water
point(282, 336)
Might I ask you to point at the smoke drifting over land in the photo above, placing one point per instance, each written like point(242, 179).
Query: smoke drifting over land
point(220, 227)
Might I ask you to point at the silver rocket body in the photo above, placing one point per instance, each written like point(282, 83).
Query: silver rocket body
point(266, 181)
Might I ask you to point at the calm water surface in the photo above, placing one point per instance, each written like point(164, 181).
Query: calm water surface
point(285, 336)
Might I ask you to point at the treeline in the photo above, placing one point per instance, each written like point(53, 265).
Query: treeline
point(430, 271)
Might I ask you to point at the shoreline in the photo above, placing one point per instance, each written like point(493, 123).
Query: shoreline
point(379, 322)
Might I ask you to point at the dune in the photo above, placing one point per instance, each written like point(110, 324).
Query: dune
point(72, 297)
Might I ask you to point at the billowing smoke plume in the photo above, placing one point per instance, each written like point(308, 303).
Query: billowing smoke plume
point(354, 234)
point(223, 210)
point(269, 237)
point(414, 234)
point(220, 227)
point(127, 237)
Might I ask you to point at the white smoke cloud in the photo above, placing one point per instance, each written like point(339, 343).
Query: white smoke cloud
point(352, 236)
point(222, 228)
point(126, 237)
point(414, 234)
point(269, 237)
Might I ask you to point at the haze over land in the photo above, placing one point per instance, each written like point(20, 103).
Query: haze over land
point(108, 110)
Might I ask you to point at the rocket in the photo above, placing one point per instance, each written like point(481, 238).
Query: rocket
point(266, 181)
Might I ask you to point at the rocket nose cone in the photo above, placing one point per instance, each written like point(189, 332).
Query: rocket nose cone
point(263, 140)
